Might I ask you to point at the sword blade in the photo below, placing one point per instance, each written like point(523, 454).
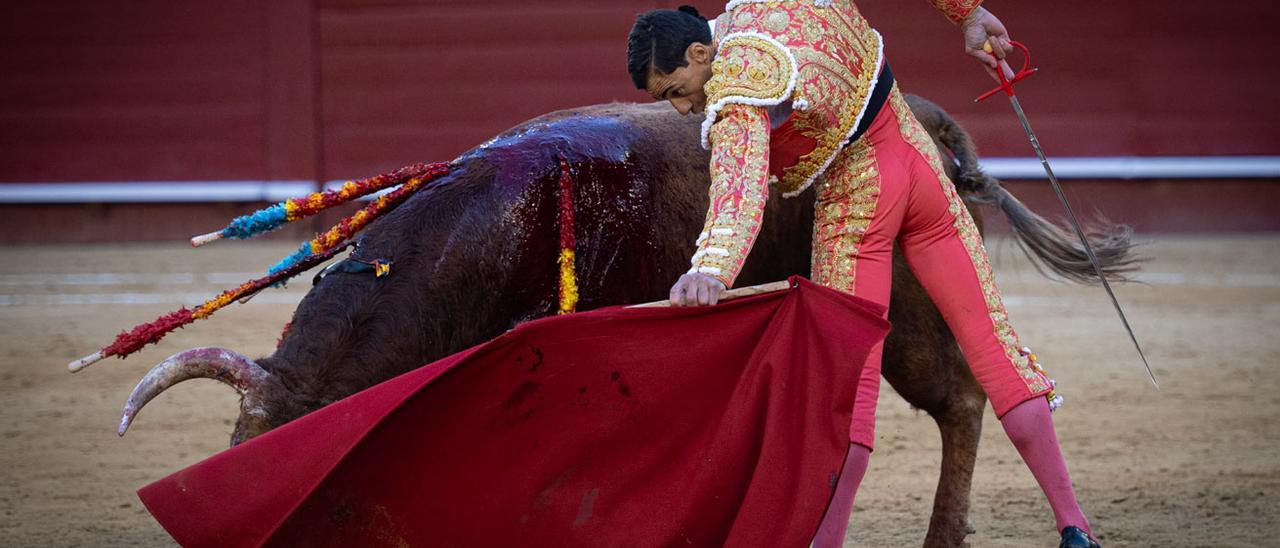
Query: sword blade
point(1084, 240)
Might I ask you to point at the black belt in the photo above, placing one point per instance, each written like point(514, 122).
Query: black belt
point(879, 96)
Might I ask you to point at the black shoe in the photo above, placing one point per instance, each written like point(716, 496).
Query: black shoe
point(1075, 537)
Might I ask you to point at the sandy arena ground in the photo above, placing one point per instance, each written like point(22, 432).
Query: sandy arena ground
point(1193, 465)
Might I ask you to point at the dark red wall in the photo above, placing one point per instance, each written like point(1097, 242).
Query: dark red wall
point(1134, 77)
point(154, 90)
point(326, 89)
point(408, 81)
point(403, 79)
point(164, 90)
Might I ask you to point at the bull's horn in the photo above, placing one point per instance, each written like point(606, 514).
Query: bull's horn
point(230, 367)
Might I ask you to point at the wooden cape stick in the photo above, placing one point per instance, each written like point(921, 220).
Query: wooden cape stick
point(731, 294)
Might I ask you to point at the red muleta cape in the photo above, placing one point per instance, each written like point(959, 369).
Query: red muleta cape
point(705, 426)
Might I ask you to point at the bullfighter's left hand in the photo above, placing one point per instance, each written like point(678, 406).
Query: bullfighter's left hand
point(695, 289)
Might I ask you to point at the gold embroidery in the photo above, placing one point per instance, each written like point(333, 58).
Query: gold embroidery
point(830, 84)
point(919, 139)
point(777, 21)
point(733, 66)
point(811, 30)
point(1055, 399)
point(739, 167)
point(846, 204)
point(836, 55)
point(956, 10)
point(767, 68)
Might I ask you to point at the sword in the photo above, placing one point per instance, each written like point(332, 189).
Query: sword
point(1006, 85)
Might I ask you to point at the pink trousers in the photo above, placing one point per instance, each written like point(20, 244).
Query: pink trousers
point(887, 187)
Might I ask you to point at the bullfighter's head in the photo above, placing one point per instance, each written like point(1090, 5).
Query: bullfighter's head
point(669, 54)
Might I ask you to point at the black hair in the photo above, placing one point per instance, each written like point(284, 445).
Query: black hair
point(659, 39)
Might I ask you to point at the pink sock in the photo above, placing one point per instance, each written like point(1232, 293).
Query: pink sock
point(1030, 428)
point(836, 521)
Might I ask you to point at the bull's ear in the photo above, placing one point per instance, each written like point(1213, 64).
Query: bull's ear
point(249, 426)
point(271, 404)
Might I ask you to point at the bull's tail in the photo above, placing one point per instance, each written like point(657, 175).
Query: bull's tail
point(1060, 251)
point(1048, 245)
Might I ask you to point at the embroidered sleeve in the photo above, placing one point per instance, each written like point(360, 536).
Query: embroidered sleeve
point(739, 189)
point(749, 69)
point(956, 10)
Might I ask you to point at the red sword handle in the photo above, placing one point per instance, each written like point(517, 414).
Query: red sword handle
point(1006, 84)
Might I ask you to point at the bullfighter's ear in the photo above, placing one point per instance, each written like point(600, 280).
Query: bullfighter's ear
point(698, 53)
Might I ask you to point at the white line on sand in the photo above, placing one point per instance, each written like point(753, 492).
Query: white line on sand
point(233, 278)
point(186, 299)
point(128, 278)
point(1203, 279)
point(293, 297)
point(1252, 280)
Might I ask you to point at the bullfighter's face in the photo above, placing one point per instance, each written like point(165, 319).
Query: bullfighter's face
point(683, 86)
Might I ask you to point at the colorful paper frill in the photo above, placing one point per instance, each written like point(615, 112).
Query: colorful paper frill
point(318, 250)
point(278, 215)
point(131, 341)
point(347, 228)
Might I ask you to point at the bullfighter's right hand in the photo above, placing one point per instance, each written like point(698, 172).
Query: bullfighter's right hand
point(695, 289)
point(986, 39)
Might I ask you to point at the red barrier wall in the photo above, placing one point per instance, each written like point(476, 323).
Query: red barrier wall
point(327, 89)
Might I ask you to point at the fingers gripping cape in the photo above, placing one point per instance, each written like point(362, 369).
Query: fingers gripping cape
point(654, 426)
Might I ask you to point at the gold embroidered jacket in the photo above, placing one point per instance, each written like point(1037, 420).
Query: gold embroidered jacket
point(821, 58)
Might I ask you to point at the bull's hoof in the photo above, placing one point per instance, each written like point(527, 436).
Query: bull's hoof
point(947, 530)
point(1075, 537)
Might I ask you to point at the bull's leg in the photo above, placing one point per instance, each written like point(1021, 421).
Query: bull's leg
point(960, 424)
point(924, 365)
point(956, 402)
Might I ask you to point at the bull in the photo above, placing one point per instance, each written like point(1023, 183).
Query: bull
point(476, 253)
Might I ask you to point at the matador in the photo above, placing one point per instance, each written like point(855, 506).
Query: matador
point(798, 94)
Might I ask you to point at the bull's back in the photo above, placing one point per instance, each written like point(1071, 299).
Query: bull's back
point(478, 253)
